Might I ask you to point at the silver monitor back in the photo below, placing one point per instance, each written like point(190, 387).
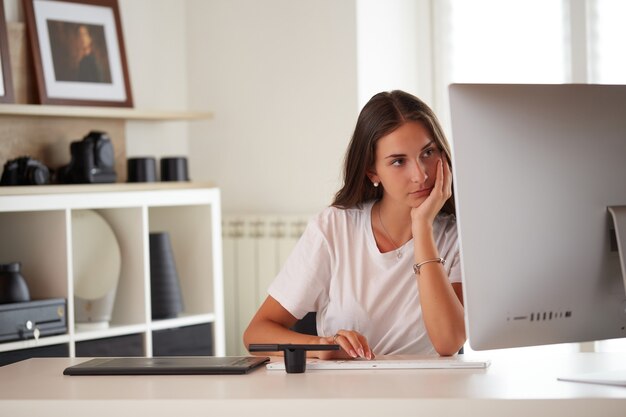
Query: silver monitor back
point(535, 167)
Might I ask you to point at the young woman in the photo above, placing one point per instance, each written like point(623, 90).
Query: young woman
point(380, 266)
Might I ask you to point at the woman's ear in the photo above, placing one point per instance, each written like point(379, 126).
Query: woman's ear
point(373, 177)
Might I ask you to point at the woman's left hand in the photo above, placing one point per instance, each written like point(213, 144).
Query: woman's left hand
point(441, 192)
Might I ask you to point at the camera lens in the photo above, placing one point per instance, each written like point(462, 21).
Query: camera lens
point(37, 175)
point(105, 157)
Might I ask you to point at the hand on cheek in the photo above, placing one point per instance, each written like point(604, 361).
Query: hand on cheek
point(441, 192)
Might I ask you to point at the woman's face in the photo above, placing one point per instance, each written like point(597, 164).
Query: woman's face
point(406, 164)
point(85, 38)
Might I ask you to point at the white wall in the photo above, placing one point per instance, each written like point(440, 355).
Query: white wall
point(280, 76)
point(388, 43)
point(155, 37)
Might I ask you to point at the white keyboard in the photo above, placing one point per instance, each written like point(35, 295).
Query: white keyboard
point(391, 362)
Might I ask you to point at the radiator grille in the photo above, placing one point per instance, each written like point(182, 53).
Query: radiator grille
point(255, 247)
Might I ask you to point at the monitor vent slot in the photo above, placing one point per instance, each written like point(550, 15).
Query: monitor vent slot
point(542, 316)
point(549, 315)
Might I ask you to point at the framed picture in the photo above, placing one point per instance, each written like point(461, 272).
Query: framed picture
point(6, 82)
point(78, 52)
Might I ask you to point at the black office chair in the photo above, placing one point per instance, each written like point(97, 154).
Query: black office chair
point(308, 325)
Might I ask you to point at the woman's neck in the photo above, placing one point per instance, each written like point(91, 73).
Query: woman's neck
point(393, 221)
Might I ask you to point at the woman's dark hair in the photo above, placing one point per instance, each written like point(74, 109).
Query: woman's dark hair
point(384, 113)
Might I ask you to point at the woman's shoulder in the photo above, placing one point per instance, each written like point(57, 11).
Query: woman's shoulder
point(336, 216)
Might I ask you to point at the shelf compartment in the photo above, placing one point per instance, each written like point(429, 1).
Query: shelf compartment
point(196, 340)
point(133, 344)
point(60, 350)
point(37, 239)
point(130, 302)
point(189, 228)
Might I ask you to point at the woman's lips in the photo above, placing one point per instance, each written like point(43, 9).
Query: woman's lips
point(422, 193)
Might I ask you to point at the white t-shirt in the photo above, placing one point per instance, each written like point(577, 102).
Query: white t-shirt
point(337, 270)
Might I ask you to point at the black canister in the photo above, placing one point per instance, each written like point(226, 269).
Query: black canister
point(13, 288)
point(174, 169)
point(141, 169)
point(166, 296)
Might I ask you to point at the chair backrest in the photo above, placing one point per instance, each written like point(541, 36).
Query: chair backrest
point(306, 324)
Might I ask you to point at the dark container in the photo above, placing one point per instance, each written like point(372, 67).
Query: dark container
point(13, 288)
point(141, 169)
point(167, 301)
point(174, 169)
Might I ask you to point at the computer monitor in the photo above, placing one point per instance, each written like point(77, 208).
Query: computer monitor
point(535, 169)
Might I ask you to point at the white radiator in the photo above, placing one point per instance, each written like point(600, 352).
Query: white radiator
point(255, 247)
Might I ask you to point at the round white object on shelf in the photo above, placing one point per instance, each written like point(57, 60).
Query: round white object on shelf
point(97, 264)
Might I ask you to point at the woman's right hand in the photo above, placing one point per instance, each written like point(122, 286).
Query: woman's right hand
point(353, 345)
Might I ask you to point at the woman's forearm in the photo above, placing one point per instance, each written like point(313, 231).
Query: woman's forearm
point(267, 331)
point(271, 324)
point(442, 310)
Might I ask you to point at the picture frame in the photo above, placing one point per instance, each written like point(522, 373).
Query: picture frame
point(6, 79)
point(78, 52)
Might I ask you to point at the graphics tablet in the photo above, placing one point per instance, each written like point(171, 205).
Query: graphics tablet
point(179, 365)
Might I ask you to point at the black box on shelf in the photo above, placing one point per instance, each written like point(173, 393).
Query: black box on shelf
point(53, 351)
point(127, 345)
point(30, 319)
point(194, 340)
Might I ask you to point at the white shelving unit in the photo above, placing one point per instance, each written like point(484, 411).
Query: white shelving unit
point(36, 224)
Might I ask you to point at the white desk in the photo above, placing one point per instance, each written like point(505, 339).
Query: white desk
point(36, 387)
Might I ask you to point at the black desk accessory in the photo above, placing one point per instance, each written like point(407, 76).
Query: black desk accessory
point(174, 365)
point(295, 355)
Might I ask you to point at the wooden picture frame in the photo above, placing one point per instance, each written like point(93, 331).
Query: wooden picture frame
point(78, 52)
point(6, 80)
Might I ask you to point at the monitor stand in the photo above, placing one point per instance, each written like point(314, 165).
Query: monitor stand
point(619, 221)
point(614, 377)
point(617, 377)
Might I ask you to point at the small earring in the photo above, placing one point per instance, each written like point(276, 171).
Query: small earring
point(376, 183)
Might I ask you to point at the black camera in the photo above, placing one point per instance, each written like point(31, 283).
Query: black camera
point(25, 171)
point(93, 161)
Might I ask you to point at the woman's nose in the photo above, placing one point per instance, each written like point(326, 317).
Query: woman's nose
point(419, 174)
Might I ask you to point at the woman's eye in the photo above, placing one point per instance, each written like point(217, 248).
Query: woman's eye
point(397, 162)
point(429, 152)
